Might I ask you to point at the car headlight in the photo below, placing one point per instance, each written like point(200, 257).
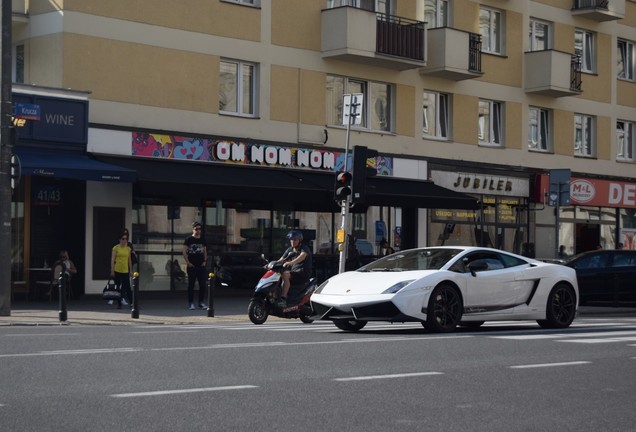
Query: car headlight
point(398, 286)
point(321, 287)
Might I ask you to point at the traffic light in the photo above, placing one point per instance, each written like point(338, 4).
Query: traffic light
point(15, 171)
point(361, 171)
point(342, 188)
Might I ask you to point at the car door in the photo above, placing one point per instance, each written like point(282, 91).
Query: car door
point(592, 273)
point(491, 289)
point(624, 276)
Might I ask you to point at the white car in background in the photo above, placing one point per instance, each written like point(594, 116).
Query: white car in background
point(449, 286)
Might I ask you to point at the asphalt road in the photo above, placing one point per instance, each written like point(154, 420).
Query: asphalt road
point(290, 376)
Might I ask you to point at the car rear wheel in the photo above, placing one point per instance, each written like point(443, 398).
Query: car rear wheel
point(444, 309)
point(561, 307)
point(257, 311)
point(349, 325)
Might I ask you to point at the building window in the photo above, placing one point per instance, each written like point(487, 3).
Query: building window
point(386, 7)
point(377, 109)
point(625, 140)
point(491, 30)
point(436, 115)
point(18, 64)
point(245, 2)
point(584, 48)
point(237, 88)
point(625, 59)
point(583, 135)
point(490, 123)
point(436, 13)
point(539, 137)
point(539, 35)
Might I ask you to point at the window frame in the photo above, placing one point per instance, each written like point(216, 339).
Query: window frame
point(626, 57)
point(441, 13)
point(371, 110)
point(540, 136)
point(492, 41)
point(586, 148)
point(250, 3)
point(441, 115)
point(495, 115)
point(239, 95)
point(625, 141)
point(585, 48)
point(533, 35)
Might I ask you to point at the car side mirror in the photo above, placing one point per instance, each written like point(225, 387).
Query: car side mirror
point(477, 266)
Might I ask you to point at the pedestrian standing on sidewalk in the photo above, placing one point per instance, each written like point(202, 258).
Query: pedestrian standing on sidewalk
point(121, 269)
point(195, 254)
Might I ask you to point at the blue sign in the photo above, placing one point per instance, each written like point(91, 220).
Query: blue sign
point(380, 231)
point(63, 121)
point(26, 111)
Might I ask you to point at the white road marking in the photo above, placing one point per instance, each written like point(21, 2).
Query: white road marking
point(541, 365)
point(41, 334)
point(74, 352)
point(375, 377)
point(566, 335)
point(600, 340)
point(183, 391)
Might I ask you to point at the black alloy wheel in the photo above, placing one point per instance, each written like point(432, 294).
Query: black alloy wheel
point(444, 311)
point(561, 307)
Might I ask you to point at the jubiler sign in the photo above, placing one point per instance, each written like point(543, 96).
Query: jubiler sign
point(482, 183)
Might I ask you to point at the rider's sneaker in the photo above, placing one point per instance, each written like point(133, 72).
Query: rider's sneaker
point(202, 306)
point(282, 303)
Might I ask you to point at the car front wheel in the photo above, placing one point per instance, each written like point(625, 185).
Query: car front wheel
point(444, 309)
point(561, 307)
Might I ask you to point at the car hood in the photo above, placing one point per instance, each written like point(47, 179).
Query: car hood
point(364, 283)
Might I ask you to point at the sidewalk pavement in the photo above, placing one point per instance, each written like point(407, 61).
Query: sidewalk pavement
point(171, 308)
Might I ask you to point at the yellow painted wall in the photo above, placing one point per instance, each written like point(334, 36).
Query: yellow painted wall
point(626, 93)
point(513, 122)
point(296, 23)
point(141, 74)
point(45, 66)
point(604, 131)
point(466, 16)
point(563, 132)
point(404, 106)
point(507, 69)
point(284, 94)
point(465, 113)
point(313, 95)
point(202, 16)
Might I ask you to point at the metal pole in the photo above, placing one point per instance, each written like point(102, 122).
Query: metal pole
point(344, 206)
point(61, 284)
point(211, 295)
point(6, 109)
point(134, 311)
point(557, 221)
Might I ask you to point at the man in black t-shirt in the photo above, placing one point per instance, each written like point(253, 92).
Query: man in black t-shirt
point(297, 262)
point(195, 254)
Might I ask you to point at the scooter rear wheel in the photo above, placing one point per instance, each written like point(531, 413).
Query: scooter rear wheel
point(257, 311)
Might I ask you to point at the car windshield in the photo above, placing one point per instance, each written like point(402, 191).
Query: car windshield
point(419, 259)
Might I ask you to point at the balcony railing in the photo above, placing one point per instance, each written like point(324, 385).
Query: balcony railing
point(575, 73)
point(588, 4)
point(474, 52)
point(400, 37)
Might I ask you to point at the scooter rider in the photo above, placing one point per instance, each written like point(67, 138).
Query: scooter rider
point(297, 262)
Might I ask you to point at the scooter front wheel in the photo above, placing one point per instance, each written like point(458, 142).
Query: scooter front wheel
point(257, 311)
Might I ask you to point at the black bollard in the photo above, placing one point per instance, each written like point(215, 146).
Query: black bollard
point(134, 312)
point(211, 295)
point(61, 284)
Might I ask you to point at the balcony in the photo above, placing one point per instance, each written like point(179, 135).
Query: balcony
point(599, 10)
point(19, 9)
point(552, 73)
point(453, 54)
point(363, 36)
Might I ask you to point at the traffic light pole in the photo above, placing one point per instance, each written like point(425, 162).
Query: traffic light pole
point(6, 109)
point(345, 203)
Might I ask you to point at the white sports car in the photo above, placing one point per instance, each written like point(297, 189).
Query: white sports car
point(443, 287)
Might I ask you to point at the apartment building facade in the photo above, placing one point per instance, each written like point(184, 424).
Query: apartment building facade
point(230, 112)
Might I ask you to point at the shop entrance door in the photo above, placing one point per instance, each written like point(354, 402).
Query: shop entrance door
point(587, 237)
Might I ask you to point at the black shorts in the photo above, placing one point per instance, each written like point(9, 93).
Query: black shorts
point(297, 278)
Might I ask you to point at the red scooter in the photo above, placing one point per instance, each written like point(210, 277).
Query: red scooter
point(268, 291)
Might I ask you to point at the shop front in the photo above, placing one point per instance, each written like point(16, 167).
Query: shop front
point(501, 221)
point(249, 194)
point(601, 214)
